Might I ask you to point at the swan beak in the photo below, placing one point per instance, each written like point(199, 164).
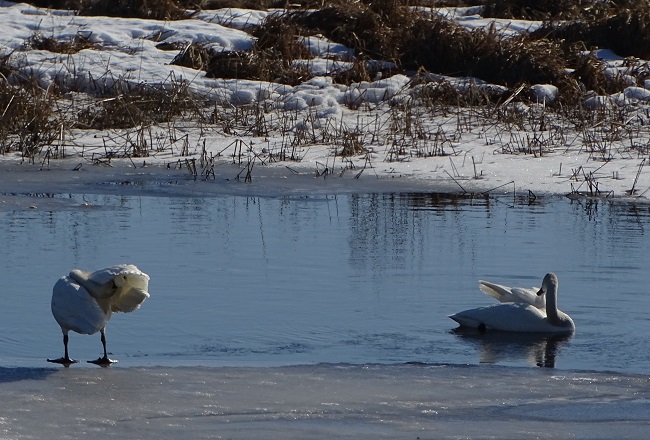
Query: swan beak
point(540, 292)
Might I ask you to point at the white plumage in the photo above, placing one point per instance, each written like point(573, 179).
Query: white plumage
point(507, 294)
point(83, 302)
point(521, 316)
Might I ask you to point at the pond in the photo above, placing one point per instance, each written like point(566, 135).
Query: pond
point(347, 278)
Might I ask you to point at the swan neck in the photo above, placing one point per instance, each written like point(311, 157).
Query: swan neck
point(80, 277)
point(95, 290)
point(551, 304)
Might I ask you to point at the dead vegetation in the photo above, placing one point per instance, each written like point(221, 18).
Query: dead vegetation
point(541, 10)
point(406, 39)
point(28, 121)
point(273, 57)
point(386, 37)
point(624, 30)
point(38, 41)
point(126, 105)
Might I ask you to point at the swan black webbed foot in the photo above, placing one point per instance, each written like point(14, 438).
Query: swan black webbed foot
point(103, 361)
point(65, 361)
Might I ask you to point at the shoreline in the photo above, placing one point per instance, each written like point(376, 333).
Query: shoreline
point(155, 178)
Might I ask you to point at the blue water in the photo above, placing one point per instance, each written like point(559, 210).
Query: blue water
point(354, 278)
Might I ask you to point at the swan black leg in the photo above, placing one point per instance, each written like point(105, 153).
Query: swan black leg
point(103, 361)
point(65, 360)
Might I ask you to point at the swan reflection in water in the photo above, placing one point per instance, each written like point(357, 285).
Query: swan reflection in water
point(499, 347)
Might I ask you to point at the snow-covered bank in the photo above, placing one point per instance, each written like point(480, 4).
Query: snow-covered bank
point(319, 133)
point(322, 402)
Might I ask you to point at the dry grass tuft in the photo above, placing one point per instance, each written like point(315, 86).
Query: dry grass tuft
point(27, 121)
point(56, 4)
point(280, 35)
point(377, 30)
point(256, 65)
point(157, 9)
point(625, 30)
point(241, 4)
point(444, 47)
point(194, 56)
point(148, 9)
point(6, 67)
point(39, 41)
point(125, 105)
point(272, 58)
point(538, 9)
point(591, 73)
point(236, 64)
point(434, 92)
point(389, 30)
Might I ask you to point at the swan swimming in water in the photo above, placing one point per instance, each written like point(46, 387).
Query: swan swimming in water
point(521, 316)
point(83, 302)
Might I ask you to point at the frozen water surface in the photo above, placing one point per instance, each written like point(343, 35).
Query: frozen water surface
point(321, 312)
point(323, 401)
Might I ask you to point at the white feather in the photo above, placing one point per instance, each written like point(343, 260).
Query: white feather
point(507, 294)
point(74, 309)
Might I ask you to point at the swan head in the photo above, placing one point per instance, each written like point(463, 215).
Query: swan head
point(132, 288)
point(550, 280)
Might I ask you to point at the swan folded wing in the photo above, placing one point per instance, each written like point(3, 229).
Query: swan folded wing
point(530, 296)
point(513, 294)
point(74, 309)
point(511, 317)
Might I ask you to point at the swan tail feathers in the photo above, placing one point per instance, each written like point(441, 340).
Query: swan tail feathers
point(465, 321)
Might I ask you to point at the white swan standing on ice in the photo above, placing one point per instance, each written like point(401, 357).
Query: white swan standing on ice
point(521, 316)
point(83, 302)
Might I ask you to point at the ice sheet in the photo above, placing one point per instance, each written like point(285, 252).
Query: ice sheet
point(405, 401)
point(22, 183)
